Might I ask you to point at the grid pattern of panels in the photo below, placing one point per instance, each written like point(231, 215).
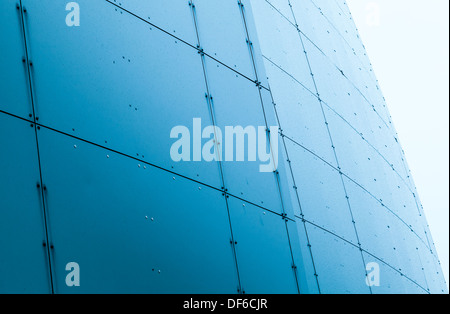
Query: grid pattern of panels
point(87, 175)
point(99, 102)
point(348, 170)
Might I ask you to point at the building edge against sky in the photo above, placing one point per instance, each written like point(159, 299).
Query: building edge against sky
point(380, 25)
point(85, 119)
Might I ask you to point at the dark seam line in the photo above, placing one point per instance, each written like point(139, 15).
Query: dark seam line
point(146, 163)
point(21, 9)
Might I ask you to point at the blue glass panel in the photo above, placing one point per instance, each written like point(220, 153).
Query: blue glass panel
point(14, 92)
point(406, 247)
point(435, 276)
point(125, 96)
point(300, 114)
point(290, 184)
point(23, 258)
point(281, 45)
point(108, 94)
point(224, 37)
point(339, 265)
point(157, 233)
point(283, 7)
point(173, 16)
point(322, 195)
point(262, 249)
point(372, 223)
point(303, 259)
point(237, 102)
point(390, 280)
point(253, 33)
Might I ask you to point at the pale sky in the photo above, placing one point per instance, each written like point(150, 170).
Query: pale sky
point(407, 42)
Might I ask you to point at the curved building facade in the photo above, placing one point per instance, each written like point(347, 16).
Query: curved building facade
point(90, 94)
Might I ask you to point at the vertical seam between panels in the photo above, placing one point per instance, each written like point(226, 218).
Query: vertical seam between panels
point(332, 143)
point(30, 86)
point(296, 193)
point(276, 172)
point(210, 103)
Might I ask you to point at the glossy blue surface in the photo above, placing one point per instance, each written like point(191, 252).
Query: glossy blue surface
point(86, 174)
